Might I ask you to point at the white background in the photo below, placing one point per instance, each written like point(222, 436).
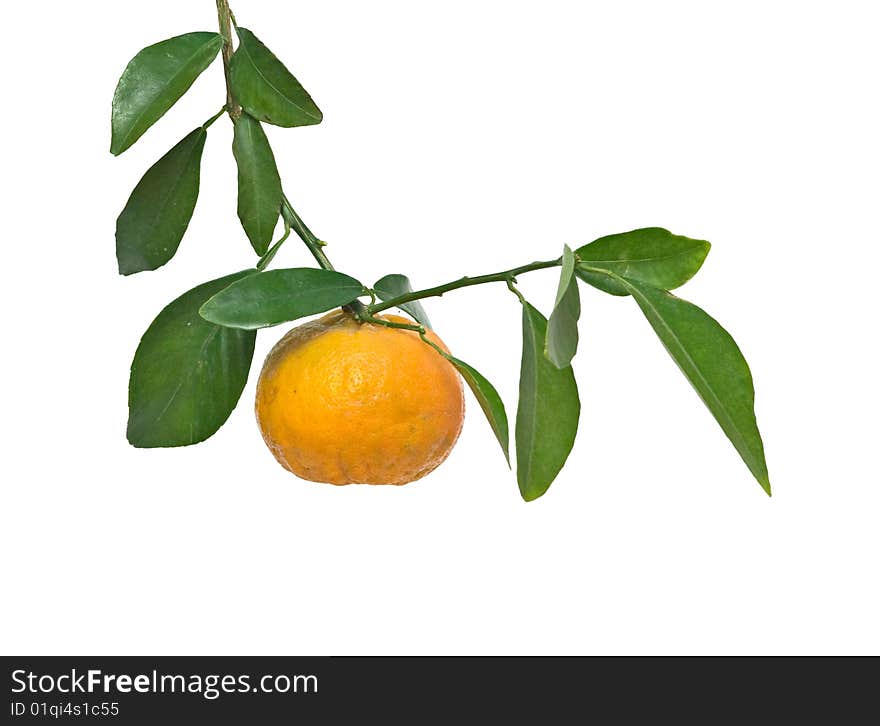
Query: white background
point(461, 138)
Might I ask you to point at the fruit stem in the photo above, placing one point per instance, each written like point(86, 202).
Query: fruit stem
point(224, 17)
point(507, 276)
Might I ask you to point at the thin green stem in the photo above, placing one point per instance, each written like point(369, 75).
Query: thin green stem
point(436, 347)
point(305, 234)
point(273, 250)
point(423, 334)
point(513, 288)
point(507, 276)
point(213, 118)
point(316, 247)
point(365, 317)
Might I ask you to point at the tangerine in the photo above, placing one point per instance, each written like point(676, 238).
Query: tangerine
point(349, 402)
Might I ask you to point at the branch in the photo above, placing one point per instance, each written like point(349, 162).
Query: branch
point(507, 276)
point(224, 17)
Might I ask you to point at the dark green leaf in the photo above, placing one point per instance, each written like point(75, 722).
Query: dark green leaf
point(548, 411)
point(652, 255)
point(277, 296)
point(712, 362)
point(489, 400)
point(266, 89)
point(153, 81)
point(187, 374)
point(392, 286)
point(259, 185)
point(562, 332)
point(149, 229)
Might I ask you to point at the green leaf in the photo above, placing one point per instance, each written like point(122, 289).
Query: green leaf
point(259, 185)
point(187, 374)
point(156, 215)
point(712, 362)
point(154, 80)
point(277, 296)
point(562, 332)
point(548, 411)
point(489, 400)
point(651, 255)
point(266, 89)
point(392, 286)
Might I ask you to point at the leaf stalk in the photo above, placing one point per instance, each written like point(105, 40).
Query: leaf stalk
point(213, 118)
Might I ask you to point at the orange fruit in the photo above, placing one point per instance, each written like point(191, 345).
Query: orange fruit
point(347, 402)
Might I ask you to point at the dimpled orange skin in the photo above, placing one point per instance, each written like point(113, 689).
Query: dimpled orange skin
point(346, 402)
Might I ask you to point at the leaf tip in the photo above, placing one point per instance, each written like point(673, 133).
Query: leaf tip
point(124, 268)
point(131, 265)
point(705, 248)
point(117, 146)
point(205, 311)
point(133, 438)
point(530, 496)
point(557, 363)
point(506, 451)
